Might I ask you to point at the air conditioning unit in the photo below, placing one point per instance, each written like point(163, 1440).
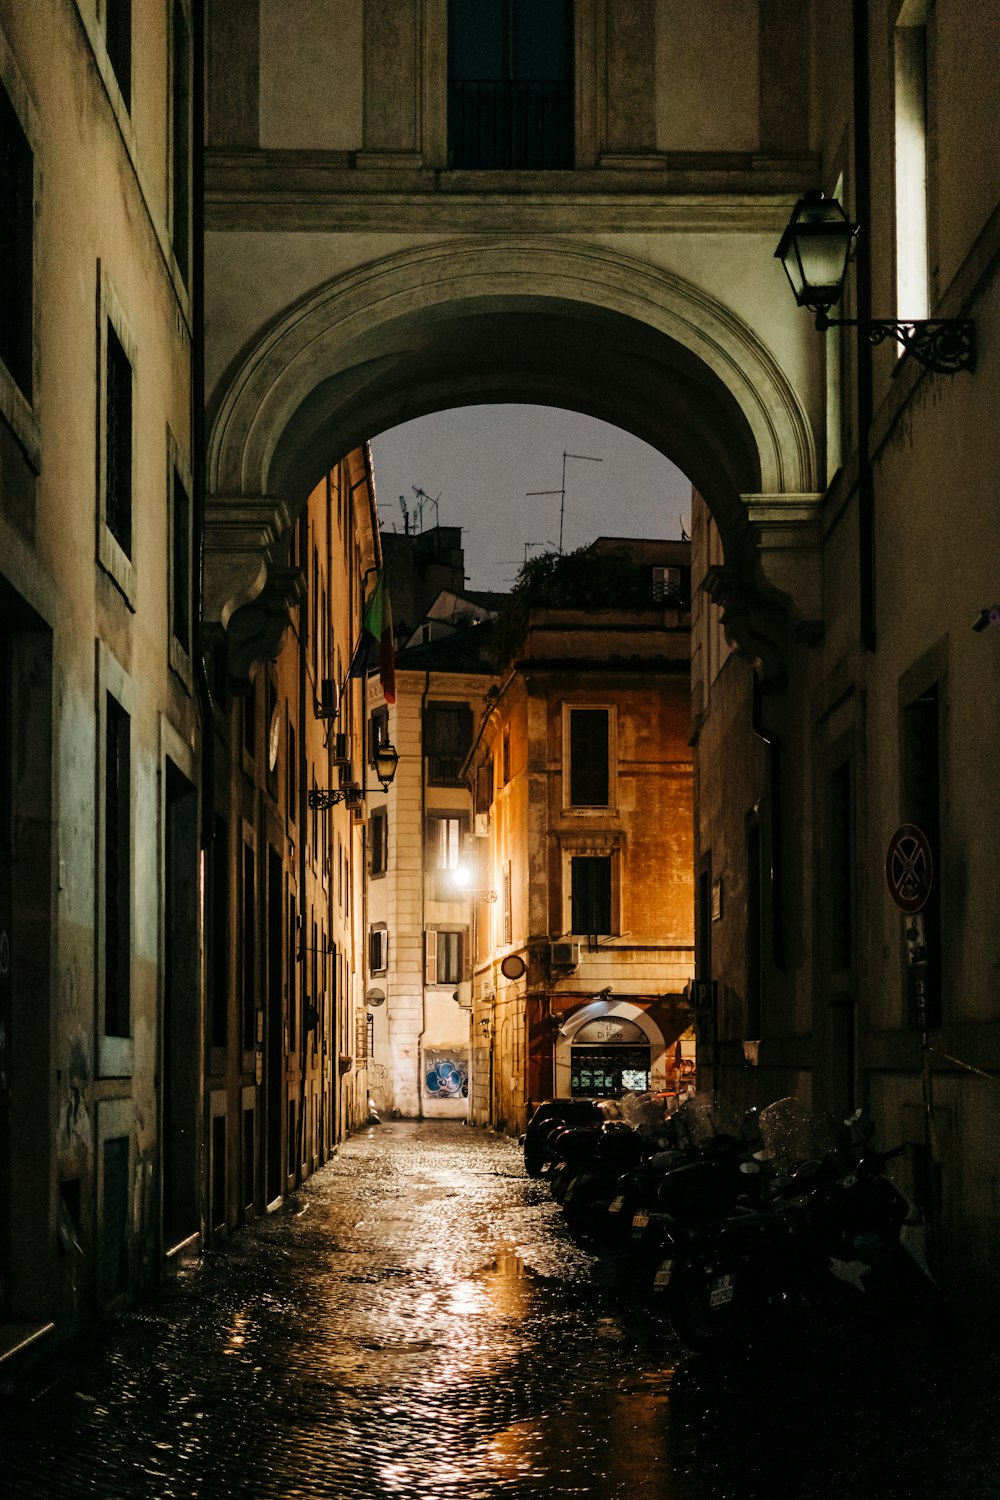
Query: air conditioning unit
point(328, 704)
point(355, 796)
point(342, 750)
point(666, 581)
point(358, 811)
point(564, 955)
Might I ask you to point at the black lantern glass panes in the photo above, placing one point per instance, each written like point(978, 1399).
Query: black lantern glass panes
point(815, 249)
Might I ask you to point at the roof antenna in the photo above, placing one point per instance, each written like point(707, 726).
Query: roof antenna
point(585, 457)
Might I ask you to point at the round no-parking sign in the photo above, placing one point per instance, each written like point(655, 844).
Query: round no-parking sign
point(909, 868)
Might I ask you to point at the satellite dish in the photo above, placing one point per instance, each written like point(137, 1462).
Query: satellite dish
point(375, 997)
point(513, 966)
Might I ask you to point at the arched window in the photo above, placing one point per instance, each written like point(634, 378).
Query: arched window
point(510, 84)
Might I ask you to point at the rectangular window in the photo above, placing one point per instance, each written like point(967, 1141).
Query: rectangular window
point(114, 1218)
point(16, 230)
point(447, 737)
point(378, 732)
point(118, 443)
point(449, 957)
point(588, 750)
point(378, 827)
point(840, 869)
point(219, 929)
point(910, 68)
point(117, 871)
point(180, 563)
point(591, 894)
point(755, 935)
point(446, 841)
point(508, 911)
point(484, 787)
point(180, 144)
point(378, 950)
point(249, 1160)
point(249, 951)
point(922, 806)
point(118, 38)
point(505, 756)
point(250, 719)
point(510, 84)
point(292, 773)
point(293, 977)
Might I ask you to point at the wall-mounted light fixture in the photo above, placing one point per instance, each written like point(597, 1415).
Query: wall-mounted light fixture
point(386, 761)
point(815, 249)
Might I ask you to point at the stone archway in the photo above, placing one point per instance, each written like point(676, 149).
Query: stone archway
point(529, 319)
point(623, 1010)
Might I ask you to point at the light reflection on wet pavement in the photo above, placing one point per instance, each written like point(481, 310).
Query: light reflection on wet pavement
point(425, 1326)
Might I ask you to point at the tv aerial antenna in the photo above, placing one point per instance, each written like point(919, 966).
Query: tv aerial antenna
point(561, 492)
point(424, 499)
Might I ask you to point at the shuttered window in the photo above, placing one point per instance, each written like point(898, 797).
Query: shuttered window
point(588, 750)
point(591, 894)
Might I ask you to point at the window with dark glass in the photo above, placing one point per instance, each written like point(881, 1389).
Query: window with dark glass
point(118, 39)
point(378, 950)
point(180, 145)
point(449, 957)
point(591, 894)
point(118, 443)
point(379, 835)
point(16, 222)
point(218, 928)
point(510, 84)
point(180, 559)
point(378, 732)
point(117, 871)
point(114, 1216)
point(588, 757)
point(249, 922)
point(922, 805)
point(840, 868)
point(447, 737)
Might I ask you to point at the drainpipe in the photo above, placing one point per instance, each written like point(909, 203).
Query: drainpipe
point(423, 890)
point(863, 213)
point(301, 948)
point(197, 296)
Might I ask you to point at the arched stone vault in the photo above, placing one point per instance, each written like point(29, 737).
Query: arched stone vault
point(528, 320)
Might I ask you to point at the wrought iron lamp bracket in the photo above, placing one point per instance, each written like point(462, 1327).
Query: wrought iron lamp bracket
point(324, 798)
point(945, 345)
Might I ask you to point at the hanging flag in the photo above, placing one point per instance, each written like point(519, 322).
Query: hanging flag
point(375, 640)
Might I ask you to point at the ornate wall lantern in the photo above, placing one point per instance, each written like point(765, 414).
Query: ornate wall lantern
point(815, 250)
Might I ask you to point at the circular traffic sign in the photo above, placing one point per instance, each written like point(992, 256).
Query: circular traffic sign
point(513, 966)
point(909, 868)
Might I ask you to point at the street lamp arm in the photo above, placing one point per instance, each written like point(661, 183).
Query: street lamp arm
point(945, 345)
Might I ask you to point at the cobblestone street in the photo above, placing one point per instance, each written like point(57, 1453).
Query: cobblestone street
point(421, 1324)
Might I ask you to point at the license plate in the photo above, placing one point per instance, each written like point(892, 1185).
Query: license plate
point(640, 1220)
point(721, 1291)
point(663, 1275)
point(617, 1204)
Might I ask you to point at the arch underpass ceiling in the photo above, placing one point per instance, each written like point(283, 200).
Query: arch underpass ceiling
point(542, 322)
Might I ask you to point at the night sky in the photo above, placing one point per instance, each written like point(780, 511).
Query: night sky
point(482, 461)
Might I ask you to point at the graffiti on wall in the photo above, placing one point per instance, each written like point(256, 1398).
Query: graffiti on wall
point(446, 1073)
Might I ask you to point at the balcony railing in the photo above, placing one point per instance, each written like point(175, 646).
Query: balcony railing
point(513, 125)
point(444, 770)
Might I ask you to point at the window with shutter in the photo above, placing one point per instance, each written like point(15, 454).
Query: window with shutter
point(448, 957)
point(447, 737)
point(379, 836)
point(378, 950)
point(588, 750)
point(430, 958)
point(591, 894)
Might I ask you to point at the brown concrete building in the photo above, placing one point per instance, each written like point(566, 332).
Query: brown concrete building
point(286, 1035)
point(583, 931)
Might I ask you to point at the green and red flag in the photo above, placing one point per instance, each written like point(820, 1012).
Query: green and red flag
point(375, 641)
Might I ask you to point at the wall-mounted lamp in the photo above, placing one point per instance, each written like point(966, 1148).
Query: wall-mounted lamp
point(386, 761)
point(463, 876)
point(815, 249)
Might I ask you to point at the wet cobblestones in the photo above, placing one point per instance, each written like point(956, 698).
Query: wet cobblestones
point(423, 1325)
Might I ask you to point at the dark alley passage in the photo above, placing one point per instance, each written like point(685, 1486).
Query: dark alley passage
point(420, 1324)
